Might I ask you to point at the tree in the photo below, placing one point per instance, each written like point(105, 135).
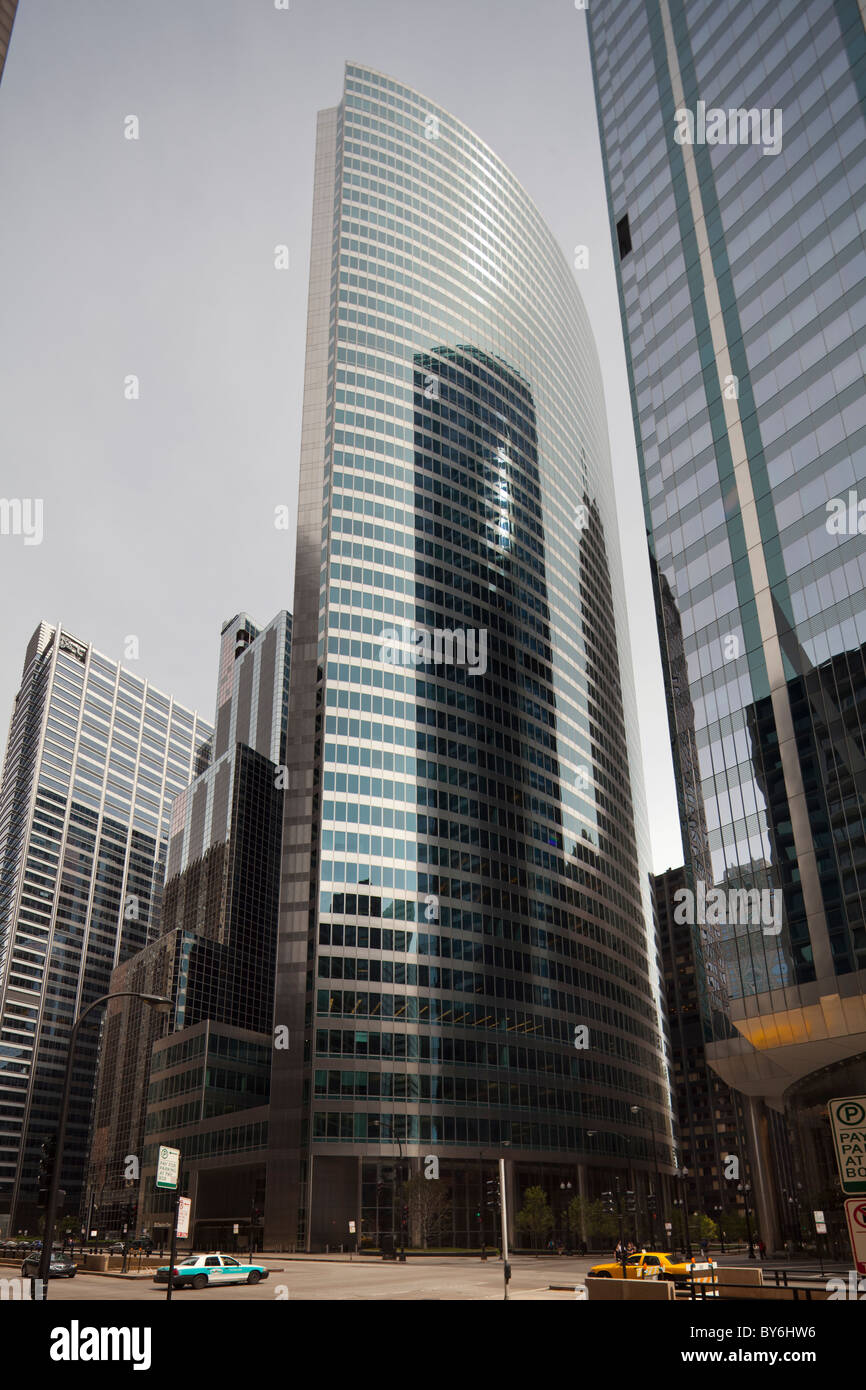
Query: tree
point(591, 1217)
point(734, 1225)
point(427, 1200)
point(535, 1215)
point(701, 1227)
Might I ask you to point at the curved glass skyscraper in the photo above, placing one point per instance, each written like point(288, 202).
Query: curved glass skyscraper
point(467, 962)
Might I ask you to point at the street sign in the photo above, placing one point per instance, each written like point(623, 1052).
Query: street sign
point(848, 1123)
point(855, 1215)
point(351, 1228)
point(820, 1223)
point(236, 1229)
point(167, 1166)
point(184, 1206)
point(668, 1226)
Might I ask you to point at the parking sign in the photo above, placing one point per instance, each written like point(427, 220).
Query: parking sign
point(848, 1122)
point(167, 1166)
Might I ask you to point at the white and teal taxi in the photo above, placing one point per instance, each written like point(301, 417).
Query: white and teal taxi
point(200, 1271)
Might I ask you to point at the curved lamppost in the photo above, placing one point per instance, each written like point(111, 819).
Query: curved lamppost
point(157, 1001)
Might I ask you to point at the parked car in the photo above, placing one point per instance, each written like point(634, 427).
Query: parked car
point(200, 1271)
point(61, 1266)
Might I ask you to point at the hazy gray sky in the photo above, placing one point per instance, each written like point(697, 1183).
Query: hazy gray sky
point(155, 257)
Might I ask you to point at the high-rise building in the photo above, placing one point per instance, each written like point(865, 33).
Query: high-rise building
point(94, 760)
point(734, 151)
point(7, 19)
point(711, 1123)
point(467, 964)
point(198, 1079)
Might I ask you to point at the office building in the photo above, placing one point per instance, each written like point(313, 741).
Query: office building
point(467, 963)
point(94, 759)
point(7, 19)
point(198, 1080)
point(716, 1177)
point(735, 159)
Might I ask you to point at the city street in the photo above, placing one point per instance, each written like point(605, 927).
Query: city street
point(366, 1279)
point(438, 1278)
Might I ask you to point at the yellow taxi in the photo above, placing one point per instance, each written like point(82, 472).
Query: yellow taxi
point(654, 1264)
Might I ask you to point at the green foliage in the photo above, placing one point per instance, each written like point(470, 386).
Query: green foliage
point(734, 1225)
point(535, 1215)
point(590, 1217)
point(702, 1228)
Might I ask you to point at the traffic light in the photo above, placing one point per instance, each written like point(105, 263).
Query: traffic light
point(630, 1203)
point(492, 1197)
point(46, 1170)
point(608, 1203)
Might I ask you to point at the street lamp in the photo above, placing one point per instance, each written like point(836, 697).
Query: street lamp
point(636, 1110)
point(402, 1255)
point(163, 1005)
point(720, 1209)
point(683, 1174)
point(746, 1188)
point(564, 1187)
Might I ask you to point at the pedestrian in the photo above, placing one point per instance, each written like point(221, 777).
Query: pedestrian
point(762, 1249)
point(705, 1249)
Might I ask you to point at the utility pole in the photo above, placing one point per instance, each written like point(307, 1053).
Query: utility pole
point(503, 1210)
point(163, 1004)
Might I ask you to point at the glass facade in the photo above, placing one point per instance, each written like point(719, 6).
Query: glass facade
point(465, 877)
point(742, 276)
point(94, 761)
point(738, 467)
point(215, 954)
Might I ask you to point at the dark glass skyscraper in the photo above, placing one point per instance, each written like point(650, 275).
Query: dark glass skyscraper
point(199, 1080)
point(733, 138)
point(467, 963)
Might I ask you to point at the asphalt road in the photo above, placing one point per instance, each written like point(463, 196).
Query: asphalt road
point(436, 1278)
point(364, 1280)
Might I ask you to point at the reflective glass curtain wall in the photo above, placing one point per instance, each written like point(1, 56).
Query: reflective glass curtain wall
point(742, 279)
point(94, 760)
point(464, 874)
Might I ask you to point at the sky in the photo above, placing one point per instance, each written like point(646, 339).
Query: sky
point(154, 258)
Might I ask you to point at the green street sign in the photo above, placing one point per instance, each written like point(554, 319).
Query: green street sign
point(167, 1166)
point(848, 1123)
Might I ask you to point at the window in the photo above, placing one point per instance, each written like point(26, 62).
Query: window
point(623, 236)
